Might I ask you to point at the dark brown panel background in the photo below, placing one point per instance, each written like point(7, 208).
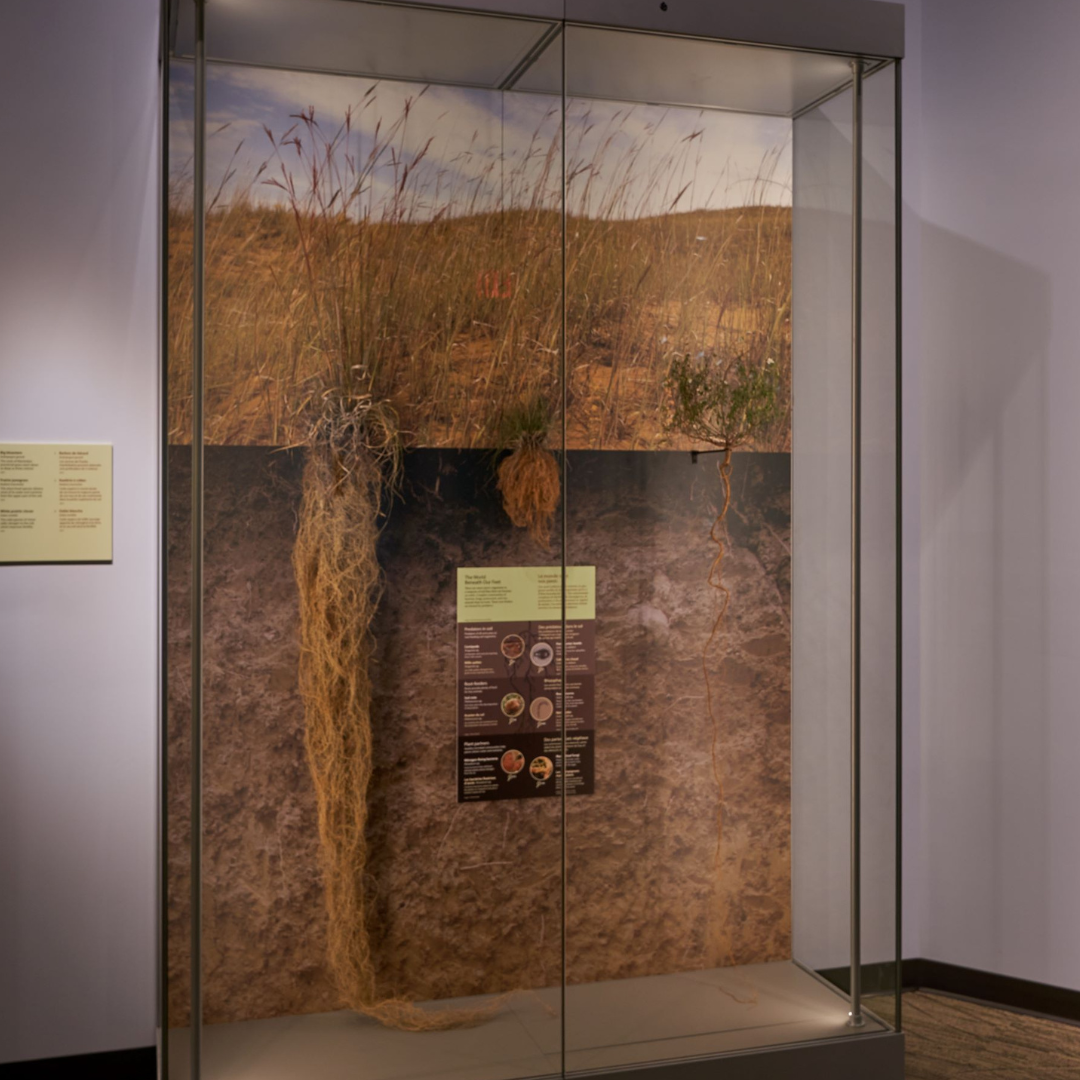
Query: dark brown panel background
point(467, 897)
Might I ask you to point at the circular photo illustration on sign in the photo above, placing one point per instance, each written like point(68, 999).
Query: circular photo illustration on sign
point(512, 762)
point(512, 647)
point(541, 769)
point(513, 705)
point(541, 654)
point(542, 709)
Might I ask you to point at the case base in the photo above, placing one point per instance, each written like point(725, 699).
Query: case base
point(880, 1055)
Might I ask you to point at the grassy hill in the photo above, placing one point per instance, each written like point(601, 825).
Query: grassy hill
point(457, 319)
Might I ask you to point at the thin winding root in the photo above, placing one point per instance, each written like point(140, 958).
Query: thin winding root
point(715, 580)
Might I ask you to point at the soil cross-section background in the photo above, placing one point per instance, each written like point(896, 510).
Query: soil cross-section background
point(467, 897)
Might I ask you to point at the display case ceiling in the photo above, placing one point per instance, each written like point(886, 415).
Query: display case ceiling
point(466, 48)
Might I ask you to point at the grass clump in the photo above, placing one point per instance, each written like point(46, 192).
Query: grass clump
point(724, 404)
point(528, 476)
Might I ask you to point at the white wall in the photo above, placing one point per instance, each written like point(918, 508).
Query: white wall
point(78, 356)
point(999, 397)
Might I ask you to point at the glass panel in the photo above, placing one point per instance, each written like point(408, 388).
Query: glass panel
point(179, 309)
point(407, 695)
point(879, 620)
point(614, 65)
point(821, 590)
point(384, 41)
point(822, 438)
point(382, 828)
point(680, 899)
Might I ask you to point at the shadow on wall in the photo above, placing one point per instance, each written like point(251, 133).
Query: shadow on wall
point(986, 325)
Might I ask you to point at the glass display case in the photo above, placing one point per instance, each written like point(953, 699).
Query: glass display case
point(530, 517)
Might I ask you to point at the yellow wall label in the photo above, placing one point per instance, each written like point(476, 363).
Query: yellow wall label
point(55, 502)
point(525, 593)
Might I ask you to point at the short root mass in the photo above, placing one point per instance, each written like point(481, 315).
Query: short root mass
point(530, 486)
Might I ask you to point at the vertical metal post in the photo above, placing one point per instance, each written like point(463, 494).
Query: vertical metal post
point(163, 560)
point(856, 1019)
point(898, 238)
point(565, 536)
point(197, 463)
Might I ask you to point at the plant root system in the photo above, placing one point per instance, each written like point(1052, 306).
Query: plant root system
point(351, 462)
point(530, 486)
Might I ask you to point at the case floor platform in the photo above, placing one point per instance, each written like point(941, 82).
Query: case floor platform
point(611, 1024)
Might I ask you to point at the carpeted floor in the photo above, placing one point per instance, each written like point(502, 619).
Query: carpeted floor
point(950, 1039)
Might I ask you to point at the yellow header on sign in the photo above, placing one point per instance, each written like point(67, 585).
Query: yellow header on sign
point(524, 593)
point(55, 502)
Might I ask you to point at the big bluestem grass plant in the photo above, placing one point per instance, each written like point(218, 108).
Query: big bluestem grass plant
point(353, 464)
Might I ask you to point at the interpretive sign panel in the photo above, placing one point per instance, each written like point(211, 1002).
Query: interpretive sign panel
point(55, 502)
point(511, 647)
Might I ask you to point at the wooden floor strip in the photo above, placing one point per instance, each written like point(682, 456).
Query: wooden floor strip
point(952, 1039)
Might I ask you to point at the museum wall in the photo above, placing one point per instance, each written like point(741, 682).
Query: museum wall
point(78, 348)
point(998, 395)
point(913, 915)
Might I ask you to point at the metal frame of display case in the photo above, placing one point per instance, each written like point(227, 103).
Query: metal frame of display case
point(872, 34)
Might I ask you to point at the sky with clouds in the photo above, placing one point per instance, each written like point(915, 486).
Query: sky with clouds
point(485, 149)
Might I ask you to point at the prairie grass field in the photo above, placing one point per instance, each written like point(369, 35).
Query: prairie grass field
point(446, 303)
